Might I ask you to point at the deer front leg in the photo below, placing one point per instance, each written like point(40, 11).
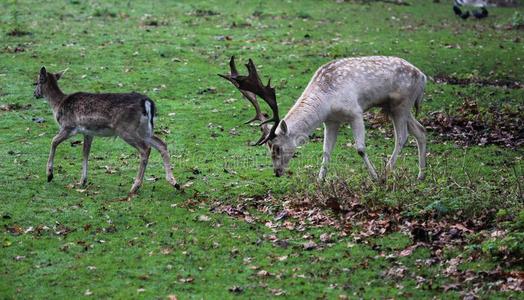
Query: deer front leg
point(63, 135)
point(88, 139)
point(359, 132)
point(330, 139)
point(158, 144)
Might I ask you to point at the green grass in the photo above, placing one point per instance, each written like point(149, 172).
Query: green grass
point(161, 243)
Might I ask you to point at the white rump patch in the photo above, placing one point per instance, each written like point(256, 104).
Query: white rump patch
point(149, 116)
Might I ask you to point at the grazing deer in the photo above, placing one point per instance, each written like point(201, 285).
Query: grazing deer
point(129, 116)
point(339, 92)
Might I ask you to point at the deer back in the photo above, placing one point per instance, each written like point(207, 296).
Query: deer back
point(106, 114)
point(364, 81)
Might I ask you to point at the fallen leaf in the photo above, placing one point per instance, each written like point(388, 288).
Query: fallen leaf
point(187, 185)
point(310, 245)
point(408, 251)
point(277, 292)
point(326, 238)
point(236, 289)
point(186, 280)
point(204, 218)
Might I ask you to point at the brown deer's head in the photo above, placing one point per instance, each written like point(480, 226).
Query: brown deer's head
point(46, 82)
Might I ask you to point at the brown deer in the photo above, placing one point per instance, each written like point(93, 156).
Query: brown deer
point(340, 92)
point(129, 116)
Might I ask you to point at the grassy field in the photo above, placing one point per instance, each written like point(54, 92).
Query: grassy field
point(60, 241)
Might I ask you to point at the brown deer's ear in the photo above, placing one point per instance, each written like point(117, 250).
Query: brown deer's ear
point(43, 75)
point(60, 74)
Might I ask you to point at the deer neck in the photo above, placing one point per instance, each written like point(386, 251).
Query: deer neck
point(54, 96)
point(305, 116)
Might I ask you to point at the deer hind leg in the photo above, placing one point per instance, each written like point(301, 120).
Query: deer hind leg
point(359, 132)
point(419, 132)
point(330, 138)
point(158, 144)
point(88, 139)
point(400, 126)
point(144, 150)
point(63, 135)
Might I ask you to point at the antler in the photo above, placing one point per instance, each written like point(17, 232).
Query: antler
point(251, 97)
point(250, 86)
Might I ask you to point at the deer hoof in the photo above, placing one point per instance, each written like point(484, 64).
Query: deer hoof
point(134, 190)
point(177, 186)
point(49, 177)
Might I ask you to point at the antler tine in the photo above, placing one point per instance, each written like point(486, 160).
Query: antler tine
point(233, 73)
point(267, 93)
point(233, 67)
point(251, 86)
point(259, 116)
point(250, 96)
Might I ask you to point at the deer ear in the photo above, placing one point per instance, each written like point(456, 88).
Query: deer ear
point(283, 127)
point(60, 74)
point(43, 75)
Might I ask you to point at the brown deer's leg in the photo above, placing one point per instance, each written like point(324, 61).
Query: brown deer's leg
point(138, 142)
point(144, 151)
point(158, 144)
point(88, 139)
point(63, 135)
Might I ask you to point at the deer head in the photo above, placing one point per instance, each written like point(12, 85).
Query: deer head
point(46, 82)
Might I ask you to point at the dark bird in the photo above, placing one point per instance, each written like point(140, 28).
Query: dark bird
point(460, 13)
point(457, 10)
point(483, 13)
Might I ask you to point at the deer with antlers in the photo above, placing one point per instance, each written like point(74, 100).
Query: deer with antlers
point(340, 92)
point(129, 116)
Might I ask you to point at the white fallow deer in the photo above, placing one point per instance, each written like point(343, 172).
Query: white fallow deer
point(128, 115)
point(340, 92)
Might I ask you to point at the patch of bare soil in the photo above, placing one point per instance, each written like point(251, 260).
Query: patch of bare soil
point(14, 107)
point(504, 3)
point(346, 213)
point(471, 126)
point(16, 49)
point(507, 83)
point(18, 32)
